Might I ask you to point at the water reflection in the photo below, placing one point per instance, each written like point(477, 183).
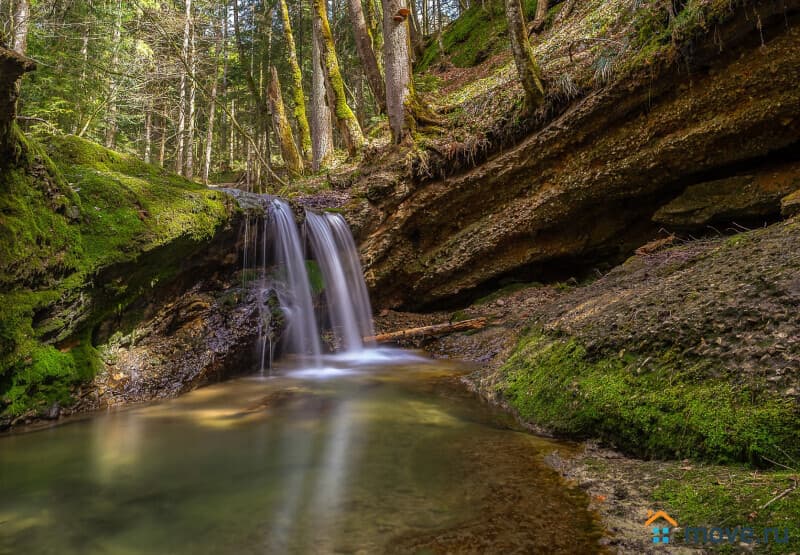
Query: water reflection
point(363, 458)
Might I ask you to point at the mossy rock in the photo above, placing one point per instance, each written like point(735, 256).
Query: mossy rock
point(84, 231)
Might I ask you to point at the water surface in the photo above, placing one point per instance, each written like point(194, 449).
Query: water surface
point(372, 455)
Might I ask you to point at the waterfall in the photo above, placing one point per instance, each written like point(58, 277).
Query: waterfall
point(275, 270)
point(345, 290)
point(302, 334)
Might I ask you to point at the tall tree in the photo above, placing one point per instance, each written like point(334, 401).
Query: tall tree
point(111, 116)
point(401, 100)
point(180, 136)
point(348, 124)
point(212, 108)
point(280, 123)
point(190, 119)
point(527, 68)
point(297, 82)
point(364, 45)
point(21, 20)
point(321, 132)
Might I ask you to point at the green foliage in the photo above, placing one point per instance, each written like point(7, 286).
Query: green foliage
point(655, 408)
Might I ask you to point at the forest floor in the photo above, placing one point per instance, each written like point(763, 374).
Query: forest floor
point(640, 305)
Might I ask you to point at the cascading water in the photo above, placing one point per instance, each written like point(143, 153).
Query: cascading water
point(345, 290)
point(273, 253)
point(293, 287)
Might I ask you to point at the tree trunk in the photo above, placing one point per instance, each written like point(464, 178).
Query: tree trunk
point(148, 129)
point(429, 331)
point(179, 136)
point(527, 68)
point(162, 149)
point(348, 124)
point(212, 108)
point(414, 33)
point(297, 82)
point(321, 132)
point(189, 148)
point(541, 15)
point(374, 20)
point(232, 137)
point(294, 163)
point(12, 66)
point(397, 65)
point(223, 136)
point(366, 54)
point(21, 20)
point(111, 117)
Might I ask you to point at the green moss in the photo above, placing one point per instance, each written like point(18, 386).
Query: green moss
point(653, 407)
point(94, 216)
point(478, 33)
point(731, 496)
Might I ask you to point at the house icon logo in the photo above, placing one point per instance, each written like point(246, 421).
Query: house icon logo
point(660, 523)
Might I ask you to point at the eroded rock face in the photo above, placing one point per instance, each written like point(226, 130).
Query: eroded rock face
point(740, 198)
point(586, 186)
point(203, 335)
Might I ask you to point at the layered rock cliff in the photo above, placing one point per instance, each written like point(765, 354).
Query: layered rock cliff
point(662, 147)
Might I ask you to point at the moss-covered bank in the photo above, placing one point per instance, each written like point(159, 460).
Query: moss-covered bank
point(662, 406)
point(70, 211)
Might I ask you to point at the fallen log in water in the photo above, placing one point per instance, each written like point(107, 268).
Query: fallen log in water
point(429, 331)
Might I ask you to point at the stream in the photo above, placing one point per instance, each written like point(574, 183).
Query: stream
point(382, 451)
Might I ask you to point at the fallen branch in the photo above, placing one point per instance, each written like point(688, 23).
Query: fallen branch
point(779, 496)
point(429, 331)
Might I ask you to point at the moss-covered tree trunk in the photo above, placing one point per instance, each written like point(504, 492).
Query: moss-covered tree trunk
point(527, 68)
point(12, 66)
point(321, 132)
point(348, 124)
point(291, 156)
point(374, 21)
point(297, 82)
point(367, 54)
